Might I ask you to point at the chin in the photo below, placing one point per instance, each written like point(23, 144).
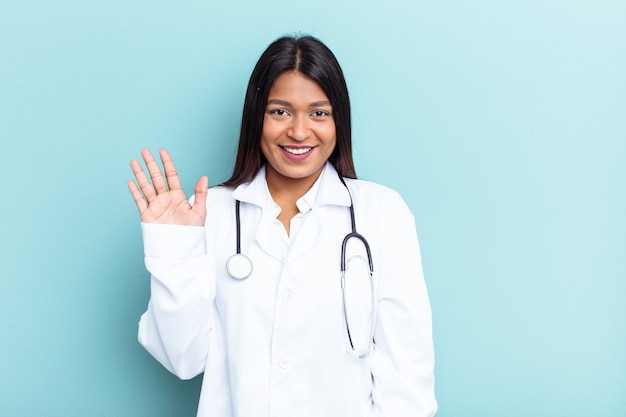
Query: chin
point(303, 173)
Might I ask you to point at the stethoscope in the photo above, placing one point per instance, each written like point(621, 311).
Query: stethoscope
point(239, 266)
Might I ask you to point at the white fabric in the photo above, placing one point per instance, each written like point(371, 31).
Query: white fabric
point(304, 205)
point(275, 343)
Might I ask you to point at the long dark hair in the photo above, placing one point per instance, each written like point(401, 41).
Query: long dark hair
point(310, 57)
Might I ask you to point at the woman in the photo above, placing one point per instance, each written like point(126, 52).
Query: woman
point(287, 333)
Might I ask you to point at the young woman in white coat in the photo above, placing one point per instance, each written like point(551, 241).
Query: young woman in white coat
point(323, 310)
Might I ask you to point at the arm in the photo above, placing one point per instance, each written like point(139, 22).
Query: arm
point(176, 327)
point(402, 363)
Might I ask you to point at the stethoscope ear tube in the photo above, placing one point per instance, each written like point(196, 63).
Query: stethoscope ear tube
point(354, 234)
point(344, 245)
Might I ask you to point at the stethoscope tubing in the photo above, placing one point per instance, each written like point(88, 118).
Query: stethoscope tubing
point(239, 266)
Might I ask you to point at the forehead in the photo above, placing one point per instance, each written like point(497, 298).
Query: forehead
point(296, 87)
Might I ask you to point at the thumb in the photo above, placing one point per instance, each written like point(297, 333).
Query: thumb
point(201, 193)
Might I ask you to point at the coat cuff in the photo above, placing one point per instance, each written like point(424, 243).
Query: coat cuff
point(166, 241)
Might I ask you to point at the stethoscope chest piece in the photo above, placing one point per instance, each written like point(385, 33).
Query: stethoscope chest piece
point(239, 266)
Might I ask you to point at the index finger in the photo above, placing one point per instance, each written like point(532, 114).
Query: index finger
point(171, 175)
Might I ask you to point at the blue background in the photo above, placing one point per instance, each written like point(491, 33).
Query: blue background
point(502, 123)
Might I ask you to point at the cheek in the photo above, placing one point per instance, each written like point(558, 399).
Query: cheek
point(267, 136)
point(271, 129)
point(330, 134)
point(331, 130)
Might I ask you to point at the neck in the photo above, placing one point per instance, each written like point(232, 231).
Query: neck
point(288, 190)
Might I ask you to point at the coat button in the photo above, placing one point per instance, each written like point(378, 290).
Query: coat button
point(289, 295)
point(283, 363)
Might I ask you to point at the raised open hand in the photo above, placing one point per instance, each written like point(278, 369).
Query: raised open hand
point(163, 200)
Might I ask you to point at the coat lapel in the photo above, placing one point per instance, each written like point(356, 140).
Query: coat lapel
point(255, 196)
point(331, 191)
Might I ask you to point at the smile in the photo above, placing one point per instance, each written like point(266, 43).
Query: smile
point(297, 151)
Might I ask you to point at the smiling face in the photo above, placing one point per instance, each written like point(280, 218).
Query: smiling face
point(299, 132)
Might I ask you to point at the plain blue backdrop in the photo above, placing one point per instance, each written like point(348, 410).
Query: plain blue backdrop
point(502, 123)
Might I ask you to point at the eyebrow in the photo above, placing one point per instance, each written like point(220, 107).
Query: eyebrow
point(321, 103)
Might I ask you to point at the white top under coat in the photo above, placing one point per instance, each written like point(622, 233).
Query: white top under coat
point(304, 205)
point(274, 344)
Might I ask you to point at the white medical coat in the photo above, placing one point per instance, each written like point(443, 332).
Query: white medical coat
point(275, 343)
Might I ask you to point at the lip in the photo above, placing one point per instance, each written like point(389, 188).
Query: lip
point(296, 157)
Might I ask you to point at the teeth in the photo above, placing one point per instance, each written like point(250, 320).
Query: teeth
point(300, 151)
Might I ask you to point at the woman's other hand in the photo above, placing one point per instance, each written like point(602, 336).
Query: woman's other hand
point(162, 200)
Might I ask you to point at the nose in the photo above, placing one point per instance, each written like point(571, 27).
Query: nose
point(299, 129)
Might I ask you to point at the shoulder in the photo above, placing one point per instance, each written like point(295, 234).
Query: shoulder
point(371, 190)
point(376, 196)
point(217, 195)
point(220, 197)
point(221, 192)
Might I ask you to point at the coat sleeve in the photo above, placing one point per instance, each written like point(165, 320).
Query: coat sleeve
point(177, 325)
point(402, 363)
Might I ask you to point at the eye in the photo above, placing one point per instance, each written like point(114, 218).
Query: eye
point(320, 114)
point(280, 113)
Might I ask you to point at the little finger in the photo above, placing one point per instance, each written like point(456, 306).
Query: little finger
point(138, 197)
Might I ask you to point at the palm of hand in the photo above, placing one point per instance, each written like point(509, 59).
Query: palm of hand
point(171, 208)
point(163, 200)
